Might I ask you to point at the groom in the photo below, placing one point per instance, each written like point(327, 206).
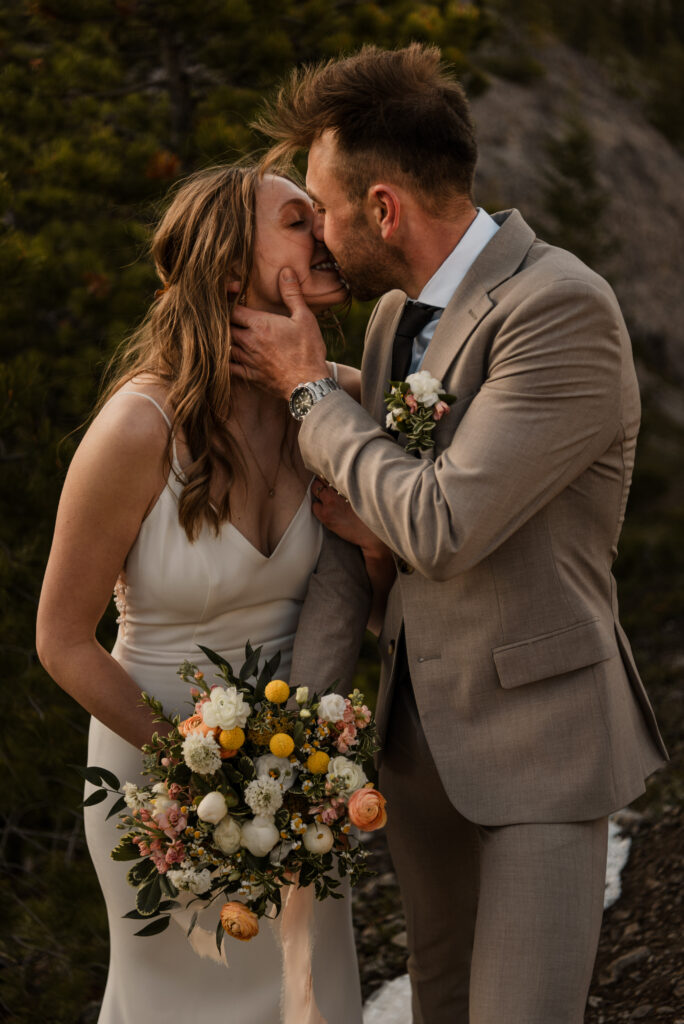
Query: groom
point(513, 717)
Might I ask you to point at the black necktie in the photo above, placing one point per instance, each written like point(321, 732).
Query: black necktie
point(413, 319)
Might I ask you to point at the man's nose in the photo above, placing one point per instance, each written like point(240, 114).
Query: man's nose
point(318, 226)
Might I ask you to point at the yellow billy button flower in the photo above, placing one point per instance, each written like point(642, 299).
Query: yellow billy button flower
point(232, 739)
point(318, 762)
point(277, 691)
point(281, 745)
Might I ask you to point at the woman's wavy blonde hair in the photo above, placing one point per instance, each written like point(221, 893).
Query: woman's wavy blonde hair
point(205, 238)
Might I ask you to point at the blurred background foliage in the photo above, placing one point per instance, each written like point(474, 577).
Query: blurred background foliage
point(107, 103)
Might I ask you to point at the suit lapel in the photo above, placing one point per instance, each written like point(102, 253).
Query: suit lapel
point(471, 301)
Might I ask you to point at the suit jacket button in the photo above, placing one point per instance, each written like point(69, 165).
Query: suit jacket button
point(421, 660)
point(390, 647)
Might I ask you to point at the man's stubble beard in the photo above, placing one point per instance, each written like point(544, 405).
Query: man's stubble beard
point(369, 267)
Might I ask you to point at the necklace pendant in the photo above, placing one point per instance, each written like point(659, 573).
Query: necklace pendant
point(271, 492)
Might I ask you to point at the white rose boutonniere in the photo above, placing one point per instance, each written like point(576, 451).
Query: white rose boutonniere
point(415, 406)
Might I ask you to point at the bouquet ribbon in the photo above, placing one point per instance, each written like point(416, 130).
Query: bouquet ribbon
point(296, 919)
point(293, 930)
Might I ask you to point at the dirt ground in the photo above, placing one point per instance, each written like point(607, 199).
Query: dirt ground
point(639, 974)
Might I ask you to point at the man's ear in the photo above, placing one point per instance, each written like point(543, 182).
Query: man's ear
point(385, 207)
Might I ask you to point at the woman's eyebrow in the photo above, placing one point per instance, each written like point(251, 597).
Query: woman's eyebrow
point(301, 203)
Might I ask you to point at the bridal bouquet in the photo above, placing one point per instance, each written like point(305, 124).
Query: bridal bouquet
point(249, 794)
point(414, 406)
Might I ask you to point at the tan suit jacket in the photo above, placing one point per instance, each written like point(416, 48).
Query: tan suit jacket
point(504, 537)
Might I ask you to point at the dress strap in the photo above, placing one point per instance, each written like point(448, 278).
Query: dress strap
point(333, 369)
point(141, 394)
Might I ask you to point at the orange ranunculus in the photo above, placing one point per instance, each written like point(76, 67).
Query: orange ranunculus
point(223, 754)
point(239, 921)
point(366, 809)
point(195, 724)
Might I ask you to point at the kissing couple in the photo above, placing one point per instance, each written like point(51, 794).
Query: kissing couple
point(235, 483)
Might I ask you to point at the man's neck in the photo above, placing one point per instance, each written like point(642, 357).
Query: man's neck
point(432, 239)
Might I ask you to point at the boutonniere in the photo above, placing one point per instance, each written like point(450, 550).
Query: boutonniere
point(414, 406)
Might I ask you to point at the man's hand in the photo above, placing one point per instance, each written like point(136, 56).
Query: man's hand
point(278, 352)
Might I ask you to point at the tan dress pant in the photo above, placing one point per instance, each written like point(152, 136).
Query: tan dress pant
point(502, 923)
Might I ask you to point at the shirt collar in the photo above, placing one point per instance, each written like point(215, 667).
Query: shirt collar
point(446, 279)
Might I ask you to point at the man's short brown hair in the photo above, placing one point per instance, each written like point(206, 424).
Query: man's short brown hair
point(401, 108)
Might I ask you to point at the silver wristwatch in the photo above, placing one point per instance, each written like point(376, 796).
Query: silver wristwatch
point(305, 396)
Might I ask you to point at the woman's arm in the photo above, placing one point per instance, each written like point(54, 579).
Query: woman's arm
point(338, 516)
point(349, 378)
point(112, 483)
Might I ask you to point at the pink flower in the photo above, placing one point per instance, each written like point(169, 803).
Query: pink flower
point(175, 854)
point(346, 739)
point(144, 848)
point(441, 409)
point(362, 717)
point(330, 812)
point(160, 863)
point(411, 402)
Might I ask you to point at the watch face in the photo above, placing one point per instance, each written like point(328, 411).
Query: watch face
point(300, 402)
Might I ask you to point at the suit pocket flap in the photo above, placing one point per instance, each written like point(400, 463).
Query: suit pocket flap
point(552, 654)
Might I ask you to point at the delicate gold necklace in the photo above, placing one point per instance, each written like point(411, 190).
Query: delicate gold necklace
point(270, 488)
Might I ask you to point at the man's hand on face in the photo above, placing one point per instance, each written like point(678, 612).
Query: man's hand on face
point(278, 352)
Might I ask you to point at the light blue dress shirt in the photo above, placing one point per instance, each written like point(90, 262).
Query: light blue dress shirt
point(446, 279)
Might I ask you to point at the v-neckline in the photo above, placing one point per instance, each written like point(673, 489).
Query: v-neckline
point(258, 551)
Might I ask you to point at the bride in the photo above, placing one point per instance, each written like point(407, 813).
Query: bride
point(189, 497)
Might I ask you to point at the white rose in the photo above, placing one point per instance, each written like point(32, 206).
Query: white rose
point(348, 775)
point(259, 835)
point(268, 766)
point(390, 420)
point(425, 387)
point(332, 707)
point(318, 838)
point(225, 709)
point(212, 808)
point(228, 835)
point(302, 694)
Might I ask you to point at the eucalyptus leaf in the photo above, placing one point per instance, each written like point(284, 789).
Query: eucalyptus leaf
point(193, 922)
point(90, 774)
point(95, 798)
point(217, 659)
point(250, 666)
point(110, 778)
point(219, 935)
point(155, 927)
point(116, 807)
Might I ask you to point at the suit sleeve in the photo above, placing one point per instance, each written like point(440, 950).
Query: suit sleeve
point(333, 620)
point(549, 407)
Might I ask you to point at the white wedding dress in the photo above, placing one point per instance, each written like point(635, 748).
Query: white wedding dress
point(218, 592)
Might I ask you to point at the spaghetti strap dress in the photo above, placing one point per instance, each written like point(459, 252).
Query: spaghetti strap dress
point(219, 591)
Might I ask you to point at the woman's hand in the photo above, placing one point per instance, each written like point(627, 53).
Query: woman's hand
point(335, 512)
